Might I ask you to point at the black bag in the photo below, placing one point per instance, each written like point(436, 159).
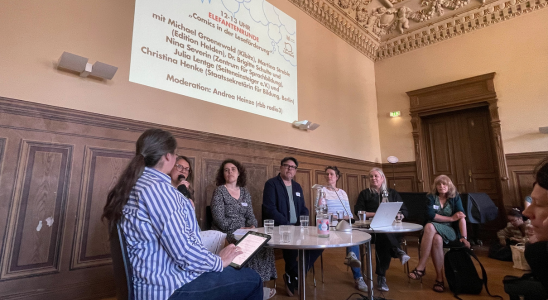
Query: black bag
point(461, 273)
point(525, 286)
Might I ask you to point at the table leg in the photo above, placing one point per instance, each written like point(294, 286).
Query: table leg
point(366, 254)
point(302, 274)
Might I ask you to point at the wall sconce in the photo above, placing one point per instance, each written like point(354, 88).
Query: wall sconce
point(305, 125)
point(543, 129)
point(394, 114)
point(80, 65)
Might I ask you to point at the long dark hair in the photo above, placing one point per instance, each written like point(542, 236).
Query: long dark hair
point(149, 149)
point(242, 177)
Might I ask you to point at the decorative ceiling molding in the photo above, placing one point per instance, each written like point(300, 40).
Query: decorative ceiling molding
point(476, 19)
point(386, 31)
point(339, 22)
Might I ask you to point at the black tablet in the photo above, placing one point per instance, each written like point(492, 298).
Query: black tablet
point(250, 244)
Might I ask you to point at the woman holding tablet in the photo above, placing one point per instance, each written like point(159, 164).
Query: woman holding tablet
point(232, 209)
point(337, 201)
point(164, 247)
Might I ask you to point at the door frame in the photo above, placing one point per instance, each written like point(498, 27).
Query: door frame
point(454, 96)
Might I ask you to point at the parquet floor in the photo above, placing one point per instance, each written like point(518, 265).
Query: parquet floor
point(338, 283)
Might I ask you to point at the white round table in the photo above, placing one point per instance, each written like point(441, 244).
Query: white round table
point(308, 239)
point(402, 227)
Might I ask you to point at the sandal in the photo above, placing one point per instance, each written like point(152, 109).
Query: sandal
point(439, 287)
point(418, 274)
point(268, 293)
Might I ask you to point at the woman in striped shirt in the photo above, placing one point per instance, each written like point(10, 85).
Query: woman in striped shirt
point(164, 247)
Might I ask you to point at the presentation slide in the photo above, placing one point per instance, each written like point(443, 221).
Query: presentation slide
point(239, 54)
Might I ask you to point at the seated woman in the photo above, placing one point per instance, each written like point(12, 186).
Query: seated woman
point(181, 174)
point(387, 245)
point(232, 209)
point(514, 233)
point(536, 253)
point(164, 247)
point(334, 196)
point(444, 207)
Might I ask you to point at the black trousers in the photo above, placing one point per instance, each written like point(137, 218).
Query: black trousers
point(291, 265)
point(386, 248)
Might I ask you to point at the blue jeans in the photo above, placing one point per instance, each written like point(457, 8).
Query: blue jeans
point(356, 272)
point(228, 284)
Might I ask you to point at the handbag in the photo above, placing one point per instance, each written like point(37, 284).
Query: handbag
point(518, 257)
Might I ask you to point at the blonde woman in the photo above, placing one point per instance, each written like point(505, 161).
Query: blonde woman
point(443, 211)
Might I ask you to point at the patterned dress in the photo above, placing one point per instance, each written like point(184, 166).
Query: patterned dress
point(444, 229)
point(230, 214)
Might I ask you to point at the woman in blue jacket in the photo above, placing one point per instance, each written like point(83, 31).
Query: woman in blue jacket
point(444, 209)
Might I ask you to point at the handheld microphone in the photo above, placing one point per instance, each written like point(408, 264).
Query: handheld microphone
point(182, 188)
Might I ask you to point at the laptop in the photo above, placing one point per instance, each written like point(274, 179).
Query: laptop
point(386, 214)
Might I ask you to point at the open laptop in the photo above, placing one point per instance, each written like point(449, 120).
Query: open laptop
point(385, 215)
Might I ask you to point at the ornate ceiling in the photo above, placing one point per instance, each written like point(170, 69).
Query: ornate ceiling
point(385, 28)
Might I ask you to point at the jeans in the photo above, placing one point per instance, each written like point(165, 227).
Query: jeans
point(356, 272)
point(290, 257)
point(228, 284)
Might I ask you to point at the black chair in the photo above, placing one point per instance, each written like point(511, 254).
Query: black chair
point(416, 209)
point(123, 272)
point(209, 218)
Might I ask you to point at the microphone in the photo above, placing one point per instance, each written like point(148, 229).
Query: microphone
point(182, 188)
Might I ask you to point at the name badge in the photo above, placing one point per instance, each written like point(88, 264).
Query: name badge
point(298, 194)
point(244, 204)
point(436, 206)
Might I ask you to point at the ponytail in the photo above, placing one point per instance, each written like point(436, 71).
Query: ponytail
point(150, 147)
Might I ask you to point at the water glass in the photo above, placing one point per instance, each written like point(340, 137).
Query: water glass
point(304, 222)
point(285, 233)
point(362, 215)
point(269, 226)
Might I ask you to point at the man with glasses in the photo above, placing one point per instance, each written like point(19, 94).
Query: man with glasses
point(283, 201)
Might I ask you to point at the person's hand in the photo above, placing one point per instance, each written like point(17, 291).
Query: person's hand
point(465, 242)
point(228, 254)
point(186, 183)
point(458, 215)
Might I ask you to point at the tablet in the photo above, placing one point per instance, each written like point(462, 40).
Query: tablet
point(250, 244)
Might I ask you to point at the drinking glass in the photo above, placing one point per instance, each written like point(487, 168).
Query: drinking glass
point(304, 222)
point(285, 233)
point(269, 226)
point(362, 215)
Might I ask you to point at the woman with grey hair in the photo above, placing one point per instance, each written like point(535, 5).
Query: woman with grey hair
point(386, 244)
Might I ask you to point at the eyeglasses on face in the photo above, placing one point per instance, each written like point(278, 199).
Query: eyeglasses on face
point(290, 167)
point(181, 168)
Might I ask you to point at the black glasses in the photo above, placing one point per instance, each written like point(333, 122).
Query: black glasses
point(289, 166)
point(181, 168)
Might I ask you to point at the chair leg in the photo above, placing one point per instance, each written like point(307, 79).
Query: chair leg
point(321, 261)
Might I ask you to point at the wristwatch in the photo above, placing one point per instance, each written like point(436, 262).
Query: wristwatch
point(465, 238)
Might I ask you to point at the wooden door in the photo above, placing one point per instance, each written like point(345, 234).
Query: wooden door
point(459, 145)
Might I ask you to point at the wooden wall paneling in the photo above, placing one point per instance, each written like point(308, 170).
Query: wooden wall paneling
point(256, 178)
point(4, 205)
point(401, 176)
point(521, 172)
point(304, 178)
point(36, 218)
point(353, 189)
point(209, 172)
point(101, 170)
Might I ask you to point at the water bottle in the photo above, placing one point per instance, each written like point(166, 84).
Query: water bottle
point(384, 196)
point(323, 225)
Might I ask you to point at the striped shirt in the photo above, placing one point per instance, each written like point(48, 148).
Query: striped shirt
point(164, 245)
point(333, 202)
